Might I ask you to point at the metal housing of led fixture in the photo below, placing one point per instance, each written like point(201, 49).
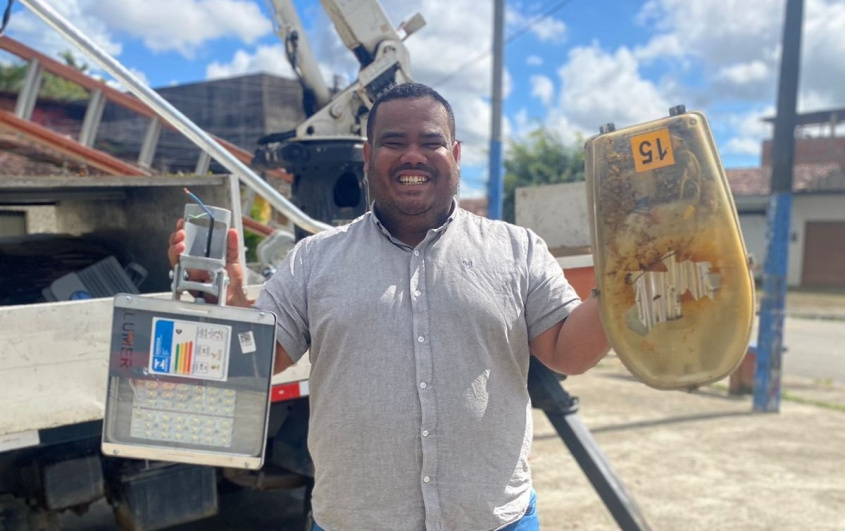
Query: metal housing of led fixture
point(189, 382)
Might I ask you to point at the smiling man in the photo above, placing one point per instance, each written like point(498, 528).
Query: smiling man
point(419, 319)
point(411, 160)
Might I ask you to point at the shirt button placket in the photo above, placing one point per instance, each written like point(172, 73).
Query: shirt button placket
point(423, 355)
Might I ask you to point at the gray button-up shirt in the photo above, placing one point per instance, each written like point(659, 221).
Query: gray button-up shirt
point(420, 416)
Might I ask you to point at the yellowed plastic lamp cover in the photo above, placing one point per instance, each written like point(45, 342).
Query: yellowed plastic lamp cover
point(675, 287)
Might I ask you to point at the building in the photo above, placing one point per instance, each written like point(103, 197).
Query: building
point(240, 110)
point(817, 234)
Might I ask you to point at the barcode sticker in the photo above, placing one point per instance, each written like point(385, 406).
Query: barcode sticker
point(247, 342)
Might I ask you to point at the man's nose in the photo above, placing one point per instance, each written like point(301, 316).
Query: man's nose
point(413, 154)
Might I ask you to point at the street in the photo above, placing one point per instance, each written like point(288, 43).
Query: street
point(815, 348)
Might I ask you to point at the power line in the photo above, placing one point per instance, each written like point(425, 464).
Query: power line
point(527, 27)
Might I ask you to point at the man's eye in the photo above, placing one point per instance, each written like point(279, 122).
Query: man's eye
point(434, 145)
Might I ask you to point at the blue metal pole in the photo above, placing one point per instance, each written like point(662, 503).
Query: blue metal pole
point(495, 182)
point(494, 185)
point(767, 374)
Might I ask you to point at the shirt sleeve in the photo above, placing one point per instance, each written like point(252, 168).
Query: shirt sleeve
point(550, 297)
point(286, 295)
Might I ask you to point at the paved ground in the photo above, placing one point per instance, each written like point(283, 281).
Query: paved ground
point(698, 460)
point(820, 304)
point(704, 460)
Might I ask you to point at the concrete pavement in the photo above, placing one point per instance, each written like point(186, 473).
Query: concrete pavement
point(700, 460)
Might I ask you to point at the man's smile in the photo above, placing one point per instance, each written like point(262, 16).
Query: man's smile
point(412, 180)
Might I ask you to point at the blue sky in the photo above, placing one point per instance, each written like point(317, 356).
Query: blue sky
point(586, 63)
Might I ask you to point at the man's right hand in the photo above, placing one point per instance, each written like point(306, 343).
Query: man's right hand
point(235, 295)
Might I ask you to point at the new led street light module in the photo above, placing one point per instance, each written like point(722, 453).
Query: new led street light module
point(189, 382)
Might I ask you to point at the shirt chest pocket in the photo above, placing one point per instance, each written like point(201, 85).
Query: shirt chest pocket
point(491, 296)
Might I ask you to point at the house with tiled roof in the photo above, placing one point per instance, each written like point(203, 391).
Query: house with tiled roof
point(817, 235)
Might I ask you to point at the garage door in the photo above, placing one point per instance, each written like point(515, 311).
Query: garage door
point(824, 254)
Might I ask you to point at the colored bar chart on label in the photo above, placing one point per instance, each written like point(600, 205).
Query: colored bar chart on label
point(184, 352)
point(190, 349)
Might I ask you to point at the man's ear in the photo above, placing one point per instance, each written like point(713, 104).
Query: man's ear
point(456, 151)
point(368, 151)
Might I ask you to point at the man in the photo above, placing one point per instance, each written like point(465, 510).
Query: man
point(420, 318)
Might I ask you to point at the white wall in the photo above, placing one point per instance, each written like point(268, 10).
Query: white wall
point(805, 208)
point(556, 212)
point(753, 227)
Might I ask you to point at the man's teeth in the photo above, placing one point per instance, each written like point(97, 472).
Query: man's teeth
point(413, 179)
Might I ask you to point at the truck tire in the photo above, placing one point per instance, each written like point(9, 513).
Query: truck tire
point(16, 515)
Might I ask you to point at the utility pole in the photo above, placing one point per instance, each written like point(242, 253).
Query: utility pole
point(495, 183)
point(767, 374)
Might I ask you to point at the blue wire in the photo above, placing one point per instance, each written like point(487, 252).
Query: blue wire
point(210, 215)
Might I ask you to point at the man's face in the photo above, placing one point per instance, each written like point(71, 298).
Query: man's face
point(412, 163)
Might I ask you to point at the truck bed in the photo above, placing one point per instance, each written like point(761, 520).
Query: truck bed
point(54, 364)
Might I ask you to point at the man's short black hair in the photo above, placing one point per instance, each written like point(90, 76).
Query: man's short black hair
point(410, 91)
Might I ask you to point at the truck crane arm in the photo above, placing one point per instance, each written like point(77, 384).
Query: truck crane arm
point(325, 152)
point(364, 28)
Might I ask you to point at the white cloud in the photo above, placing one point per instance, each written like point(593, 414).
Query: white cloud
point(745, 131)
point(543, 89)
point(181, 25)
point(29, 29)
point(601, 87)
point(666, 45)
point(544, 28)
point(269, 59)
point(549, 30)
point(751, 81)
point(745, 73)
point(743, 146)
point(823, 47)
point(721, 31)
point(725, 41)
point(569, 133)
point(534, 60)
point(452, 54)
point(739, 46)
point(522, 124)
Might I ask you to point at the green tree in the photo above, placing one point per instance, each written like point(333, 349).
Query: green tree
point(12, 77)
point(540, 158)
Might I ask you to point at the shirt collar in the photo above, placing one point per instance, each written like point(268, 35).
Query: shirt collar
point(439, 230)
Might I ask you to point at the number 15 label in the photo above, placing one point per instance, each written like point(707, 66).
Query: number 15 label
point(652, 150)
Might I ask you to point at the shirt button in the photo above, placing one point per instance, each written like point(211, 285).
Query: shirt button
point(417, 293)
point(425, 433)
point(423, 385)
point(426, 479)
point(421, 339)
point(416, 253)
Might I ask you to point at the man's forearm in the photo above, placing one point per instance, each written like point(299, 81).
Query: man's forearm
point(581, 341)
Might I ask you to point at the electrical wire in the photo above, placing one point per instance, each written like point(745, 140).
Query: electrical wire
point(523, 30)
point(6, 16)
point(211, 220)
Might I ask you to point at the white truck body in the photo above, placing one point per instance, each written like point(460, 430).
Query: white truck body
point(54, 361)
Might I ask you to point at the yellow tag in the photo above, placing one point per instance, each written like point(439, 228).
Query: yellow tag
point(652, 150)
